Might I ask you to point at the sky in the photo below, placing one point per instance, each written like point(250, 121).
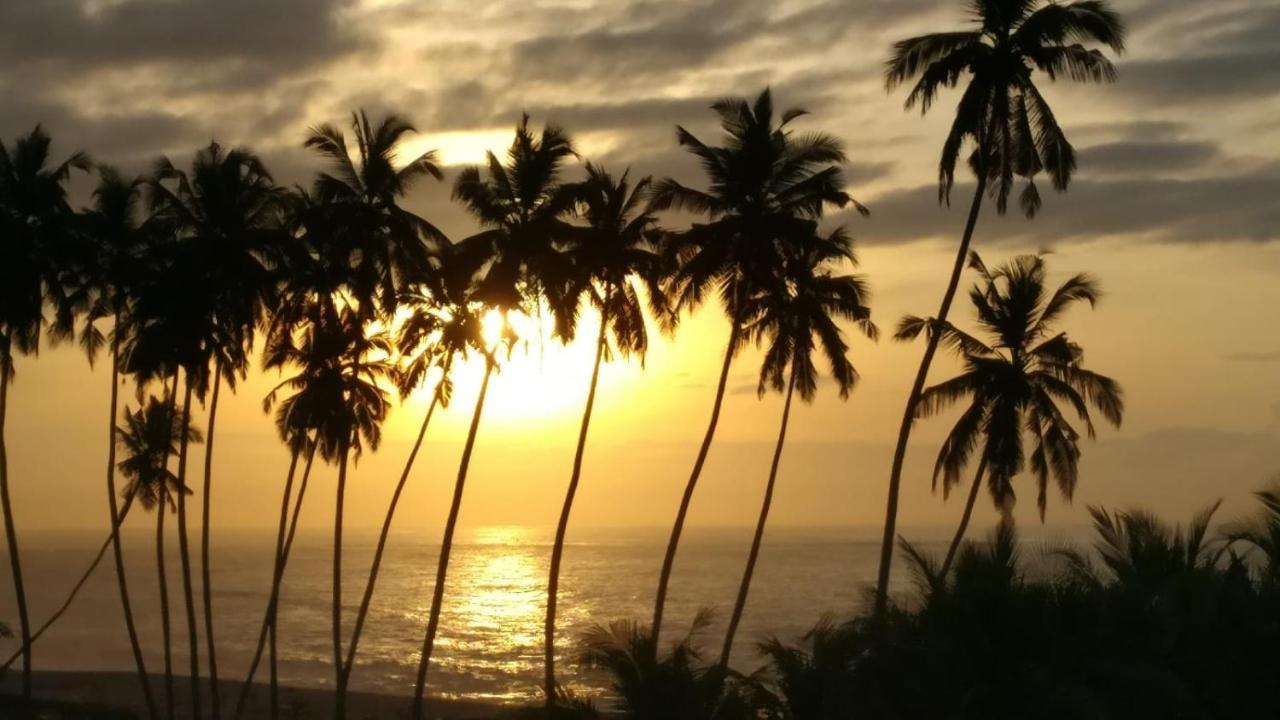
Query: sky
point(1173, 208)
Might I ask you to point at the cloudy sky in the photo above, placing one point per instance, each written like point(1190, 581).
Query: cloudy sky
point(1174, 208)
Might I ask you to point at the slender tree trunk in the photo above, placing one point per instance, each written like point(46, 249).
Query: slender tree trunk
point(557, 549)
point(741, 603)
point(917, 387)
point(339, 705)
point(345, 678)
point(184, 554)
point(269, 617)
point(11, 536)
point(669, 559)
point(964, 519)
point(117, 517)
point(165, 632)
point(446, 546)
point(73, 594)
point(268, 623)
point(215, 691)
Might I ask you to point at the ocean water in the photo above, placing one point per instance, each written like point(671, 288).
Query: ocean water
point(490, 640)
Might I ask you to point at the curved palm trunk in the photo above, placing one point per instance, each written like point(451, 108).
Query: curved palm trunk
point(557, 549)
point(446, 546)
point(669, 560)
point(268, 629)
point(73, 594)
point(964, 519)
point(908, 415)
point(11, 536)
point(345, 677)
point(207, 582)
point(166, 636)
point(339, 705)
point(117, 517)
point(184, 556)
point(741, 603)
point(277, 572)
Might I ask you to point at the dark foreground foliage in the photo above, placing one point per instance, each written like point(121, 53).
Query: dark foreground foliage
point(1152, 621)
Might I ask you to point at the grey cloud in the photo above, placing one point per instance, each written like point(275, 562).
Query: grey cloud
point(1140, 157)
point(1234, 208)
point(1204, 79)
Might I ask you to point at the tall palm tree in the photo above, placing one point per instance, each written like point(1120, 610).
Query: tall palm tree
point(337, 392)
point(360, 200)
point(515, 262)
point(149, 437)
point(766, 188)
point(35, 224)
point(226, 210)
point(795, 317)
point(1011, 126)
point(118, 240)
point(609, 258)
point(1013, 384)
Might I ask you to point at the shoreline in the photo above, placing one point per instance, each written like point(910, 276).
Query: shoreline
point(115, 694)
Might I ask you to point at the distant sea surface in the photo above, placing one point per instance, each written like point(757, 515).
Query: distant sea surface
point(490, 642)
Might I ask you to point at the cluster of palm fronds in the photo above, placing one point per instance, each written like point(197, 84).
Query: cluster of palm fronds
point(1151, 621)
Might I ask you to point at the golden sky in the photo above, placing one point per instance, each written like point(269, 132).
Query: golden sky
point(1173, 209)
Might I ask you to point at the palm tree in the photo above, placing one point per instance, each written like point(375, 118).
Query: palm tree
point(1013, 384)
point(338, 393)
point(767, 187)
point(804, 306)
point(514, 262)
point(615, 250)
point(227, 212)
point(149, 437)
point(1012, 127)
point(35, 225)
point(360, 203)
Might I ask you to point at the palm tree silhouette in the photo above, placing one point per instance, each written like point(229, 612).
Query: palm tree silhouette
point(337, 392)
point(804, 305)
point(35, 229)
point(227, 212)
point(1013, 384)
point(514, 262)
point(609, 258)
point(1012, 127)
point(149, 437)
point(359, 200)
point(766, 188)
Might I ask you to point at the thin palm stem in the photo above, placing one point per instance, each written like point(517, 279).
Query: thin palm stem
point(739, 605)
point(446, 546)
point(669, 559)
point(339, 710)
point(964, 519)
point(207, 580)
point(917, 388)
point(165, 631)
point(184, 554)
point(557, 549)
point(11, 536)
point(382, 539)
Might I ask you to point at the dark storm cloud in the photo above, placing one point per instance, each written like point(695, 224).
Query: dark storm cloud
point(277, 34)
point(1228, 208)
point(1132, 157)
point(1242, 76)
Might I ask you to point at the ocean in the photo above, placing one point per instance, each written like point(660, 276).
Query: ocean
point(490, 642)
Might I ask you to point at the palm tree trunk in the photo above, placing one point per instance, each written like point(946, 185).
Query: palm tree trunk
point(339, 705)
point(345, 677)
point(11, 536)
point(964, 519)
point(184, 554)
point(557, 549)
point(277, 572)
point(446, 546)
point(268, 629)
point(73, 594)
point(741, 603)
point(161, 509)
point(207, 582)
point(917, 387)
point(117, 517)
point(669, 560)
